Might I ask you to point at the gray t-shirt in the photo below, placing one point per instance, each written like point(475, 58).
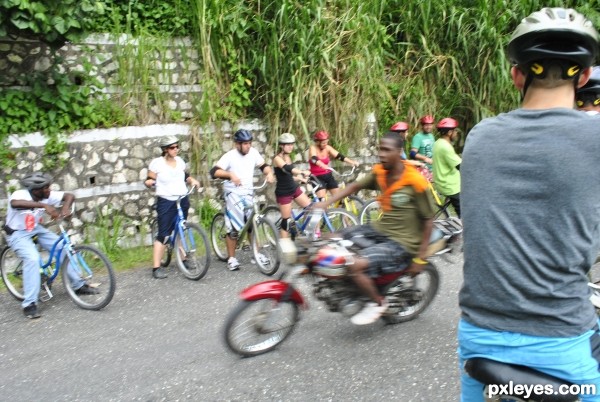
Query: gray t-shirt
point(530, 201)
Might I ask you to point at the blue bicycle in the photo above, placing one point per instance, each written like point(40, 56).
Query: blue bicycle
point(333, 220)
point(191, 243)
point(78, 262)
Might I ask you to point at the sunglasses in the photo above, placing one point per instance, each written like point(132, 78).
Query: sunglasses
point(173, 147)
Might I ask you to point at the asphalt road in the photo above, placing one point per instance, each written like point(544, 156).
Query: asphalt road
point(161, 340)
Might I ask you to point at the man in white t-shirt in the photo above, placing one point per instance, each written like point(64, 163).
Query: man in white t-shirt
point(23, 221)
point(237, 168)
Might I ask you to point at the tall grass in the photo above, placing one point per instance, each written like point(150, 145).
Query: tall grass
point(326, 64)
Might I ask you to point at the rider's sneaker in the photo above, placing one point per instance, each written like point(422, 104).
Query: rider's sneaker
point(263, 259)
point(86, 290)
point(159, 273)
point(407, 282)
point(233, 264)
point(31, 311)
point(370, 313)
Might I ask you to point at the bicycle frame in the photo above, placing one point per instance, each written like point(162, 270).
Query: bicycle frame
point(178, 229)
point(347, 203)
point(255, 212)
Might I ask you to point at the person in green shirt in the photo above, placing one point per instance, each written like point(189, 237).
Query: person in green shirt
point(421, 147)
point(446, 162)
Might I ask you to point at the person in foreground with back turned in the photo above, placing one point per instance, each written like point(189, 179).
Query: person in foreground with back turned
point(531, 221)
point(400, 238)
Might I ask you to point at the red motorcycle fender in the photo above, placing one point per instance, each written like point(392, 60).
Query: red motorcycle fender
point(273, 289)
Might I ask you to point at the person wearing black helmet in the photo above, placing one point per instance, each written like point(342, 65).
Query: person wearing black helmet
point(236, 167)
point(588, 96)
point(26, 209)
point(446, 162)
point(168, 175)
point(531, 231)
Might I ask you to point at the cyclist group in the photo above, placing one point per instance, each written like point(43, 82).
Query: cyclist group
point(524, 296)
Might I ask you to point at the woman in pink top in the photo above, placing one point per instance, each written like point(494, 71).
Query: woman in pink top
point(319, 155)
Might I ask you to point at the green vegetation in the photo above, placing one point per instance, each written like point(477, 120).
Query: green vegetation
point(318, 64)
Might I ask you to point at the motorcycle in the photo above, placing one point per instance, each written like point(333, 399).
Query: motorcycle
point(269, 311)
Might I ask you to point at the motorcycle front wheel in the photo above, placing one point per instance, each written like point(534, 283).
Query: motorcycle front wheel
point(406, 303)
point(258, 326)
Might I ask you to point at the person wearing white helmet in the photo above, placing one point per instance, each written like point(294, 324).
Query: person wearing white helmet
point(287, 188)
point(588, 96)
point(26, 208)
point(168, 174)
point(531, 231)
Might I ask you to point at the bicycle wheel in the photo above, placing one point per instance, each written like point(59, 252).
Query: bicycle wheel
point(256, 327)
point(12, 272)
point(265, 248)
point(166, 259)
point(405, 303)
point(193, 252)
point(337, 219)
point(371, 212)
point(218, 236)
point(272, 214)
point(91, 265)
point(353, 204)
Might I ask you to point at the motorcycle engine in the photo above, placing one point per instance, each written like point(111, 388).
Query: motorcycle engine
point(338, 294)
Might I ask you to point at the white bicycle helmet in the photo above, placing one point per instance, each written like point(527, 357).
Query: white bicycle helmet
point(168, 140)
point(287, 138)
point(35, 181)
point(557, 34)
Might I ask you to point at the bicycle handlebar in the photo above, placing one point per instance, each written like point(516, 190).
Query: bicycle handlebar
point(244, 187)
point(346, 174)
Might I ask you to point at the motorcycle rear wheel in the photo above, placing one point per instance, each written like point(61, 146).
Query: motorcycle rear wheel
point(406, 304)
point(258, 326)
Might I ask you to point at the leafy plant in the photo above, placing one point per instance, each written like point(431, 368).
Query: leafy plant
point(51, 22)
point(206, 210)
point(106, 231)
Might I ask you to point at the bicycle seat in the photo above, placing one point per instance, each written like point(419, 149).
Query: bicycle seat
point(489, 371)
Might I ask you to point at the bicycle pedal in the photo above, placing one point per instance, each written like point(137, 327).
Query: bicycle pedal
point(47, 295)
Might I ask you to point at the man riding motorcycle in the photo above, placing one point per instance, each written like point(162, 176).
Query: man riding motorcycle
point(399, 240)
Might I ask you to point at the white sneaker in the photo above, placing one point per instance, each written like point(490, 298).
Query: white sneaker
point(233, 264)
point(370, 313)
point(262, 259)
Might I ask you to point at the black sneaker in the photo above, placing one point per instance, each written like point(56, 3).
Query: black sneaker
point(86, 290)
point(159, 273)
point(31, 311)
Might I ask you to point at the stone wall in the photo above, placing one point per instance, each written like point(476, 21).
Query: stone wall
point(171, 67)
point(105, 169)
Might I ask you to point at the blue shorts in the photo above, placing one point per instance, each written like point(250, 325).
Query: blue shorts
point(573, 359)
point(166, 211)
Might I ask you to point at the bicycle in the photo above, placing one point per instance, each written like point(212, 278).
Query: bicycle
point(80, 262)
point(352, 203)
point(372, 212)
point(191, 242)
point(333, 220)
point(262, 234)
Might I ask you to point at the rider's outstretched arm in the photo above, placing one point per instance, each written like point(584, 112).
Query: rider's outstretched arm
point(345, 192)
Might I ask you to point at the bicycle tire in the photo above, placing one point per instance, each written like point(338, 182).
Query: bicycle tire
point(406, 304)
point(196, 248)
point(265, 248)
point(338, 219)
point(218, 235)
point(12, 273)
point(273, 214)
point(89, 263)
point(166, 258)
point(249, 319)
point(354, 204)
point(371, 212)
